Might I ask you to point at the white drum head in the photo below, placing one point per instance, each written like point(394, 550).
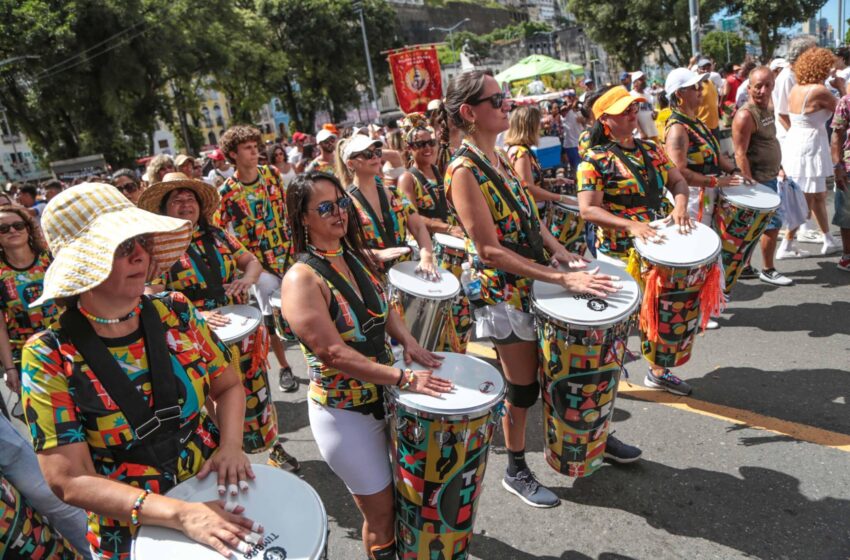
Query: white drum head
point(567, 207)
point(274, 299)
point(450, 241)
point(478, 387)
point(244, 319)
point(404, 277)
point(699, 246)
point(290, 511)
point(756, 197)
point(586, 310)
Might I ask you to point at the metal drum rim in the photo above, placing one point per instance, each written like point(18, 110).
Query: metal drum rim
point(725, 196)
point(229, 342)
point(590, 325)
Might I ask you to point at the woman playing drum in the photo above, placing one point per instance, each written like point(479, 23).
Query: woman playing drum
point(339, 311)
point(620, 186)
point(111, 435)
point(501, 219)
point(208, 274)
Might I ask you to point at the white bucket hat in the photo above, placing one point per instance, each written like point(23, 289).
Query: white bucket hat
point(85, 224)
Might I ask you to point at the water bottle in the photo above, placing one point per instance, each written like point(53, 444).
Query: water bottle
point(470, 282)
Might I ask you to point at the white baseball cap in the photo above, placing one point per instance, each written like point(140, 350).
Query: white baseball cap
point(323, 135)
point(357, 144)
point(777, 63)
point(682, 78)
point(637, 75)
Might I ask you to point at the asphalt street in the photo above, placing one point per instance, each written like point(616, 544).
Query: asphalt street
point(755, 464)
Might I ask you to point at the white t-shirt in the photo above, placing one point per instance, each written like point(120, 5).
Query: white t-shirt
point(226, 174)
point(742, 96)
point(569, 122)
point(293, 156)
point(781, 91)
point(645, 120)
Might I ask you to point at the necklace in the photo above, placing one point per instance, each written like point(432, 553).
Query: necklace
point(102, 321)
point(326, 254)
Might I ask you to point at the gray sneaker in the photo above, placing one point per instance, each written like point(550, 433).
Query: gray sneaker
point(526, 487)
point(667, 382)
point(774, 277)
point(286, 380)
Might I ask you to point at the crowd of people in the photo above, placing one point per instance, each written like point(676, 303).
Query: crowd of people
point(111, 287)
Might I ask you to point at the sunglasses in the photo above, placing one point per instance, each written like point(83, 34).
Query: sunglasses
point(17, 226)
point(126, 248)
point(328, 207)
point(419, 144)
point(128, 188)
point(496, 100)
point(369, 154)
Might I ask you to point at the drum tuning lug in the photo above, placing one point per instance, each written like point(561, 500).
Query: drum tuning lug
point(417, 432)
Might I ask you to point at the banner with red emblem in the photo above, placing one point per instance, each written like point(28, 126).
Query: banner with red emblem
point(416, 78)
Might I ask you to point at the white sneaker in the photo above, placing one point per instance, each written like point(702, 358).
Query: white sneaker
point(775, 278)
point(792, 253)
point(809, 236)
point(830, 247)
point(712, 325)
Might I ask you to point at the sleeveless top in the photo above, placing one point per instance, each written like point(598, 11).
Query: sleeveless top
point(430, 198)
point(519, 151)
point(764, 152)
point(703, 148)
point(498, 286)
point(805, 148)
point(399, 208)
point(329, 386)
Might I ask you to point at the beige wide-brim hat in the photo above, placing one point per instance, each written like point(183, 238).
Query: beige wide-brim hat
point(85, 224)
point(208, 196)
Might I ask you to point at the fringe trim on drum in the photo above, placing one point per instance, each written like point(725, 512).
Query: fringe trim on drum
point(262, 343)
point(633, 267)
point(711, 297)
point(649, 308)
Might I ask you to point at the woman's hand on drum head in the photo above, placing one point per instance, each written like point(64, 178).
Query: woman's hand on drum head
point(215, 319)
point(456, 231)
point(564, 258)
point(590, 282)
point(413, 352)
point(681, 218)
point(730, 181)
point(232, 467)
point(211, 524)
point(646, 232)
point(240, 286)
point(425, 382)
point(428, 268)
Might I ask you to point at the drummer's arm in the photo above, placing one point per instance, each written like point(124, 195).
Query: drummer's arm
point(676, 144)
point(522, 166)
point(250, 267)
point(743, 127)
point(304, 303)
point(407, 186)
point(229, 397)
point(475, 217)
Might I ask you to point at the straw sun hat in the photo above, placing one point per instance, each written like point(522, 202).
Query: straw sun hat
point(152, 198)
point(85, 224)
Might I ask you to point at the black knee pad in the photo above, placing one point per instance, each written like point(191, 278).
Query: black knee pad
point(522, 396)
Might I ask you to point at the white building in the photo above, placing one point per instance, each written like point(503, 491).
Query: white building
point(17, 162)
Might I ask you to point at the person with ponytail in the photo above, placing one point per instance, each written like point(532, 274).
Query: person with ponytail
point(620, 189)
point(512, 249)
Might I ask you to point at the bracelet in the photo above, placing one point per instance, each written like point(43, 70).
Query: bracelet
point(411, 377)
point(137, 507)
point(400, 377)
point(712, 181)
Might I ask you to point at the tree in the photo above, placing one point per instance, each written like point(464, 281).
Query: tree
point(629, 31)
point(768, 17)
point(714, 45)
point(323, 48)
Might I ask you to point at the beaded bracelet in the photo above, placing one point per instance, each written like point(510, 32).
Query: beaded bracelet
point(137, 507)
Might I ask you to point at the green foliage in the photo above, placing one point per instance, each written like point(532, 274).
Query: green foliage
point(480, 44)
point(713, 44)
point(767, 17)
point(629, 31)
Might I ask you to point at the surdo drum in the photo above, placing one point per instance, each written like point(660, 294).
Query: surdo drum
point(244, 319)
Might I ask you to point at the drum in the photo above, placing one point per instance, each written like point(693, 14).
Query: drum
point(290, 511)
point(450, 252)
point(567, 226)
point(425, 304)
point(740, 217)
point(581, 344)
point(244, 319)
point(277, 315)
point(682, 290)
point(439, 453)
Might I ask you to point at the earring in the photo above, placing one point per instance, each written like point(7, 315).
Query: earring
point(306, 234)
point(471, 128)
point(606, 129)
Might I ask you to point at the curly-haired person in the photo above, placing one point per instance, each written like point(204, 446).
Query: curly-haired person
point(805, 151)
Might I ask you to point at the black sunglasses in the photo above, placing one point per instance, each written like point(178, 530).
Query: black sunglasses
point(126, 248)
point(128, 188)
point(17, 226)
point(419, 144)
point(369, 154)
point(328, 207)
point(496, 100)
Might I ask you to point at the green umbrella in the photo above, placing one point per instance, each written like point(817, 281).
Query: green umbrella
point(537, 65)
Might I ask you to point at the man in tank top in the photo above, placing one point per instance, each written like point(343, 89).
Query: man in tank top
point(759, 156)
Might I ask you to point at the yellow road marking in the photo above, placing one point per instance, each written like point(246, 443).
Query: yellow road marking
point(739, 416)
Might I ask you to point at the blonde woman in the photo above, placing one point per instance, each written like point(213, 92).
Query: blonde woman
point(158, 167)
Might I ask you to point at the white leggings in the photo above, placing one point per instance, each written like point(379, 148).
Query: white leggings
point(266, 285)
point(354, 445)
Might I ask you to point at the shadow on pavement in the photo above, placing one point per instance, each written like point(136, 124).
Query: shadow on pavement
point(487, 547)
point(337, 501)
point(760, 512)
point(819, 319)
point(291, 416)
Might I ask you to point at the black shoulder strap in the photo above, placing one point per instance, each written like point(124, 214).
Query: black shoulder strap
point(438, 194)
point(385, 229)
point(208, 267)
point(650, 185)
point(142, 418)
point(527, 220)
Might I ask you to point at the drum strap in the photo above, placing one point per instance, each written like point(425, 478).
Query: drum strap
point(653, 190)
point(208, 268)
point(158, 428)
point(368, 310)
point(528, 221)
point(438, 195)
point(386, 229)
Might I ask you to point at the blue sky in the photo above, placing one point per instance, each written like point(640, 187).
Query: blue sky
point(830, 12)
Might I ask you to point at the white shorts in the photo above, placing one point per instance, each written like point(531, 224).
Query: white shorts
point(811, 185)
point(355, 446)
point(709, 200)
point(266, 285)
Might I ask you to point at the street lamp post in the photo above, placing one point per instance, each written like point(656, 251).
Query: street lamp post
point(358, 7)
point(450, 30)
